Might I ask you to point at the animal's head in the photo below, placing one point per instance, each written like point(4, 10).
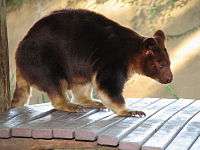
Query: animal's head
point(155, 59)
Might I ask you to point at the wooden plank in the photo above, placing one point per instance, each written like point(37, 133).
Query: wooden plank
point(45, 129)
point(91, 131)
point(196, 144)
point(11, 114)
point(163, 137)
point(113, 135)
point(142, 133)
point(188, 134)
point(28, 113)
point(45, 124)
point(130, 102)
point(25, 129)
point(68, 129)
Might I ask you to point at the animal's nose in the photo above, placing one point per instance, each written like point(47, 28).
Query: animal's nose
point(166, 76)
point(169, 79)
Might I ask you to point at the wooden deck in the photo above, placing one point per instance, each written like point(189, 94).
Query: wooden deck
point(170, 124)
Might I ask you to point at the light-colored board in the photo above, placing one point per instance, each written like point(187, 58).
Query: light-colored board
point(143, 132)
point(187, 136)
point(16, 111)
point(66, 128)
point(163, 137)
point(196, 144)
point(46, 129)
point(29, 113)
point(11, 114)
point(113, 135)
point(42, 127)
point(131, 103)
point(175, 126)
point(91, 131)
point(25, 129)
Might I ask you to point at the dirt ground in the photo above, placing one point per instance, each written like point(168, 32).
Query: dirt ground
point(179, 19)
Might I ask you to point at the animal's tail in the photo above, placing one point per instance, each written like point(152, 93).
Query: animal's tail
point(22, 90)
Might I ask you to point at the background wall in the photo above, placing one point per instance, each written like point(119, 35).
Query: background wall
point(179, 19)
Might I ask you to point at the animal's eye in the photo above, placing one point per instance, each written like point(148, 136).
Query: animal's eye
point(153, 66)
point(161, 66)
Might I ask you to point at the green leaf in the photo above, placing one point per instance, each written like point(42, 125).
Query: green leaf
point(170, 90)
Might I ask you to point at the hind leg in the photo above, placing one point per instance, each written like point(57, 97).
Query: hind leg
point(59, 100)
point(22, 91)
point(82, 94)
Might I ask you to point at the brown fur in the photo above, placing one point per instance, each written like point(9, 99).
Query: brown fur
point(80, 50)
point(22, 91)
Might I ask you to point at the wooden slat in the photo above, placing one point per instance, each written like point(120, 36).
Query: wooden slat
point(11, 114)
point(68, 129)
point(27, 114)
point(91, 131)
point(162, 138)
point(46, 131)
point(46, 125)
point(42, 127)
point(187, 135)
point(24, 130)
point(113, 135)
point(196, 144)
point(132, 102)
point(142, 133)
point(16, 111)
point(169, 124)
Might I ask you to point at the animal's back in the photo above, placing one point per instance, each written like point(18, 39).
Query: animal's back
point(67, 44)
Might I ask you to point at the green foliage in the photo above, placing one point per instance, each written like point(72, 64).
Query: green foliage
point(157, 8)
point(170, 90)
point(153, 11)
point(44, 98)
point(11, 4)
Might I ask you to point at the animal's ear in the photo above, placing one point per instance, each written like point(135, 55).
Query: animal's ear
point(159, 33)
point(149, 43)
point(148, 52)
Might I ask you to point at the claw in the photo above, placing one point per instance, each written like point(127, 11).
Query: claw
point(129, 113)
point(138, 113)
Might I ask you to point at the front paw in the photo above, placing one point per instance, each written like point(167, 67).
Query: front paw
point(132, 113)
